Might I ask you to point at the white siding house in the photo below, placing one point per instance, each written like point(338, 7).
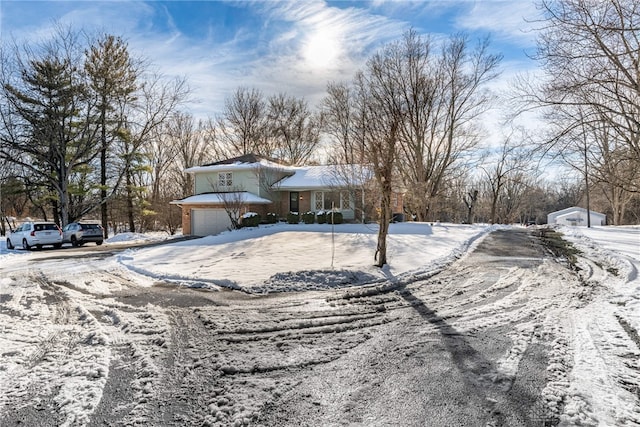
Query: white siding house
point(575, 216)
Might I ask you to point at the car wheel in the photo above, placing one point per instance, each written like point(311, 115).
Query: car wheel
point(74, 241)
point(9, 244)
point(99, 242)
point(25, 245)
point(57, 245)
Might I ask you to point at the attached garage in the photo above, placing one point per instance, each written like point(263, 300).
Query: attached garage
point(205, 215)
point(205, 222)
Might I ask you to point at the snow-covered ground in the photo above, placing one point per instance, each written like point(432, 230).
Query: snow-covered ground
point(287, 257)
point(604, 354)
point(248, 257)
point(283, 258)
point(276, 258)
point(616, 252)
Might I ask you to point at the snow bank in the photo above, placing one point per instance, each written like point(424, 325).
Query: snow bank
point(617, 251)
point(604, 380)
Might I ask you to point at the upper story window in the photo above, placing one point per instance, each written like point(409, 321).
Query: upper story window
point(225, 179)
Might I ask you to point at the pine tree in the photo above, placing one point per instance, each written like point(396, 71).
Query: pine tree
point(113, 80)
point(52, 135)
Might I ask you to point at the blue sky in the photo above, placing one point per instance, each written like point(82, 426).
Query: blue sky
point(276, 46)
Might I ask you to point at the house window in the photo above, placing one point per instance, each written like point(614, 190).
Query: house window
point(319, 203)
point(345, 200)
point(331, 200)
point(327, 200)
point(225, 179)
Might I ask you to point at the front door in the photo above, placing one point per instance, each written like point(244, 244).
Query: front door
point(294, 197)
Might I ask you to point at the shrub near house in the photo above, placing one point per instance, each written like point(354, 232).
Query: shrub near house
point(334, 218)
point(271, 218)
point(293, 218)
point(309, 217)
point(250, 219)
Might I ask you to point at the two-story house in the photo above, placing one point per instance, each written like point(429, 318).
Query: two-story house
point(257, 184)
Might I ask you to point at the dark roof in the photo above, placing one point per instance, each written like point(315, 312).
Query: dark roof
point(246, 158)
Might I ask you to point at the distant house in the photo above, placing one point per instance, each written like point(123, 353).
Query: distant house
point(265, 186)
point(575, 216)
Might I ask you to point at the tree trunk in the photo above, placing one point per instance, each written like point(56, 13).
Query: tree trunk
point(130, 213)
point(104, 214)
point(63, 194)
point(385, 219)
point(494, 203)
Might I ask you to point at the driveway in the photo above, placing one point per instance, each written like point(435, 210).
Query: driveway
point(482, 343)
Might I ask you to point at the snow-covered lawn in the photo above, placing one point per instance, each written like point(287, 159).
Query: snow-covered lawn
point(285, 257)
point(279, 257)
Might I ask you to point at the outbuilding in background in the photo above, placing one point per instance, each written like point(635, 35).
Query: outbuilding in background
point(576, 216)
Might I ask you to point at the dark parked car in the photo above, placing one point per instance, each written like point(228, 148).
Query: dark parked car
point(79, 233)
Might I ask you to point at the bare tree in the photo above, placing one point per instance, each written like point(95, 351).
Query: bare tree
point(243, 124)
point(193, 144)
point(157, 100)
point(178, 144)
point(293, 129)
point(513, 198)
point(508, 162)
point(613, 172)
point(443, 95)
point(411, 112)
point(470, 200)
point(379, 99)
point(4, 175)
point(339, 122)
point(589, 51)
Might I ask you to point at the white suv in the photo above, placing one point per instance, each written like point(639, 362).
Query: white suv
point(35, 234)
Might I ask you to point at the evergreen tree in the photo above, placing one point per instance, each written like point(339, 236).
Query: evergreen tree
point(51, 133)
point(113, 80)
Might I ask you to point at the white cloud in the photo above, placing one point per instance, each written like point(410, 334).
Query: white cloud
point(37, 21)
point(297, 47)
point(323, 43)
point(508, 20)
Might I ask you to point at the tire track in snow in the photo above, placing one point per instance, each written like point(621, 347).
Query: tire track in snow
point(61, 377)
point(375, 355)
point(463, 315)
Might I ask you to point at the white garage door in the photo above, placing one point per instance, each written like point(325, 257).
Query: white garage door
point(205, 222)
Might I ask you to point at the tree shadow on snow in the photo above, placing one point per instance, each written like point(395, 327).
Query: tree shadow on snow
point(505, 400)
